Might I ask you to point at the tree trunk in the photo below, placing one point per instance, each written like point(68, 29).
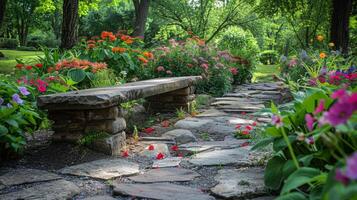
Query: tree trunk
point(141, 15)
point(339, 30)
point(69, 24)
point(2, 10)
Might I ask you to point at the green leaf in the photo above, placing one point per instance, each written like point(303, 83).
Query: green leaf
point(262, 143)
point(12, 122)
point(273, 175)
point(289, 168)
point(299, 177)
point(272, 131)
point(292, 196)
point(274, 109)
point(280, 144)
point(77, 75)
point(3, 130)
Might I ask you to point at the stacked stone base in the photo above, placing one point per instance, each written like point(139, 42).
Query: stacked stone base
point(171, 101)
point(103, 129)
point(100, 129)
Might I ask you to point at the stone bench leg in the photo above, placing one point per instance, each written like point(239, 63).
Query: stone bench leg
point(100, 129)
point(168, 102)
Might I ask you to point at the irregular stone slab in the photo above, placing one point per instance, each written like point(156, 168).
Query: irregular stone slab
point(240, 121)
point(181, 136)
point(212, 113)
point(60, 189)
point(239, 183)
point(237, 156)
point(103, 169)
point(265, 120)
point(165, 175)
point(192, 123)
point(167, 162)
point(158, 148)
point(196, 147)
point(100, 198)
point(161, 139)
point(2, 187)
point(161, 191)
point(111, 96)
point(22, 176)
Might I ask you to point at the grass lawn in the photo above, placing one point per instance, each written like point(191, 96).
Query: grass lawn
point(264, 73)
point(7, 65)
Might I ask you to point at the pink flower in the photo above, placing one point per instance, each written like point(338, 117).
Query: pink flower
point(309, 122)
point(320, 107)
point(338, 94)
point(160, 69)
point(42, 88)
point(310, 140)
point(248, 127)
point(204, 66)
point(245, 132)
point(341, 177)
point(234, 71)
point(168, 72)
point(277, 121)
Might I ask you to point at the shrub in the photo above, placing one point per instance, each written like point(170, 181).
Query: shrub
point(193, 57)
point(8, 43)
point(39, 39)
point(27, 48)
point(17, 116)
point(121, 52)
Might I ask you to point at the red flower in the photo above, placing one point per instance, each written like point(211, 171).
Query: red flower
point(174, 148)
point(234, 71)
point(19, 66)
point(125, 154)
point(238, 126)
point(50, 69)
point(244, 144)
point(39, 65)
point(180, 155)
point(243, 113)
point(151, 147)
point(29, 67)
point(165, 123)
point(248, 127)
point(245, 132)
point(254, 124)
point(149, 130)
point(160, 156)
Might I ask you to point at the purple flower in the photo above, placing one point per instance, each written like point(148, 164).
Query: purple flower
point(24, 91)
point(309, 122)
point(320, 107)
point(341, 177)
point(323, 71)
point(1, 100)
point(351, 169)
point(339, 113)
point(277, 121)
point(17, 99)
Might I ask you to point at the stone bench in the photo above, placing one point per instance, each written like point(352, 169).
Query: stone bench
point(96, 113)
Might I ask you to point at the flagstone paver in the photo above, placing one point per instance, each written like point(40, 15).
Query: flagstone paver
point(165, 175)
point(197, 147)
point(103, 169)
point(161, 191)
point(239, 183)
point(181, 136)
point(60, 189)
point(22, 176)
point(167, 162)
point(152, 150)
point(102, 197)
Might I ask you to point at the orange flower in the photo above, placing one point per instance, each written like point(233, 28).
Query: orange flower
point(19, 66)
point(125, 37)
point(143, 60)
point(322, 55)
point(118, 49)
point(129, 41)
point(50, 69)
point(148, 55)
point(320, 38)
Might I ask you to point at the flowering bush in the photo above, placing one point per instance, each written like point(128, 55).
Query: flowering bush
point(121, 52)
point(193, 57)
point(17, 116)
point(311, 138)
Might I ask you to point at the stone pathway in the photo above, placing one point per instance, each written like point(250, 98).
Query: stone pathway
point(196, 158)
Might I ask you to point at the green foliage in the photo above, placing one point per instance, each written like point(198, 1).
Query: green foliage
point(17, 116)
point(8, 43)
point(91, 137)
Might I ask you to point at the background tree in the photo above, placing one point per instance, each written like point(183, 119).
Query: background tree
point(69, 23)
point(141, 15)
point(2, 10)
point(339, 29)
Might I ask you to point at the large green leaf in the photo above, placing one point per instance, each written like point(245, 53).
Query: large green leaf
point(3, 130)
point(292, 196)
point(299, 177)
point(272, 131)
point(280, 144)
point(273, 175)
point(77, 75)
point(289, 168)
